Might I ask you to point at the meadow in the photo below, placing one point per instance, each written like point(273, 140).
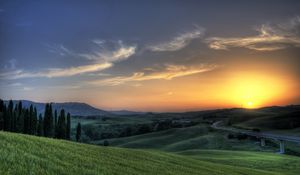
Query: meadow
point(24, 154)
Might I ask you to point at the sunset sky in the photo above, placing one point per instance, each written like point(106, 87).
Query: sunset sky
point(151, 55)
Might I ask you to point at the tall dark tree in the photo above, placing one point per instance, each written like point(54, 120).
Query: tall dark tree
point(9, 116)
point(31, 116)
point(55, 123)
point(68, 132)
point(26, 122)
point(51, 127)
point(40, 128)
point(78, 132)
point(48, 121)
point(34, 122)
point(1, 114)
point(61, 125)
point(5, 118)
point(1, 105)
point(20, 118)
point(20, 108)
point(14, 119)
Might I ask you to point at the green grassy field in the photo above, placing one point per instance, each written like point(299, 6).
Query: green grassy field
point(23, 154)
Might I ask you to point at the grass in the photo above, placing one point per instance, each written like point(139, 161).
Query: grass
point(23, 154)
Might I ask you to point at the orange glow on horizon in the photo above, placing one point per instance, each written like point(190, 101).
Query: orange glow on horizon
point(239, 89)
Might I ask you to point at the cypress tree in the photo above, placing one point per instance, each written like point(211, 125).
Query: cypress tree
point(34, 121)
point(55, 123)
point(47, 121)
point(9, 116)
point(46, 118)
point(10, 106)
point(30, 123)
point(68, 132)
point(51, 128)
point(1, 114)
point(14, 119)
point(26, 122)
point(20, 108)
point(61, 128)
point(5, 118)
point(78, 132)
point(1, 105)
point(40, 128)
point(20, 120)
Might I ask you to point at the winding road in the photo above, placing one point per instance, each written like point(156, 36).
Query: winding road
point(265, 135)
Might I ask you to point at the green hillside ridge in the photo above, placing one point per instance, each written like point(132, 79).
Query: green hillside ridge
point(189, 138)
point(24, 154)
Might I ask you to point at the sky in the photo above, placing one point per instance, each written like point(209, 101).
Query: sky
point(151, 55)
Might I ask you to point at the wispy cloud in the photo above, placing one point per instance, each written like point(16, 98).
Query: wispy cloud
point(168, 73)
point(112, 51)
point(269, 38)
point(16, 84)
point(11, 64)
point(103, 58)
point(60, 49)
point(120, 52)
point(28, 88)
point(69, 87)
point(55, 72)
point(98, 74)
point(178, 42)
point(99, 42)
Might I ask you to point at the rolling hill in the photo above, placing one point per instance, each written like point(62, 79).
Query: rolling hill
point(185, 139)
point(24, 154)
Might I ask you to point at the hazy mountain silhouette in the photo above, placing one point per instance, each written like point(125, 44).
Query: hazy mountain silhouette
point(74, 108)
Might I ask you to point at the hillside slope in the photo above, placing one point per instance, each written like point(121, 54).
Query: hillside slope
point(189, 138)
point(22, 154)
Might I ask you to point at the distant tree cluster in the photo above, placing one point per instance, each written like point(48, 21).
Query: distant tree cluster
point(100, 132)
point(27, 121)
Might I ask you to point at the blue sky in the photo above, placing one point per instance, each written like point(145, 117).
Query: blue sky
point(110, 53)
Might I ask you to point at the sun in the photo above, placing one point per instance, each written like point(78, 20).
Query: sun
point(254, 89)
point(249, 104)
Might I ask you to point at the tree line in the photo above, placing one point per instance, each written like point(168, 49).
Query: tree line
point(16, 118)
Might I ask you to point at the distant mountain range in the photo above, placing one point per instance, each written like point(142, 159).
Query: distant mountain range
point(126, 112)
point(74, 108)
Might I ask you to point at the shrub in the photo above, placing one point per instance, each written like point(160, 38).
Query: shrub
point(105, 143)
point(230, 136)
